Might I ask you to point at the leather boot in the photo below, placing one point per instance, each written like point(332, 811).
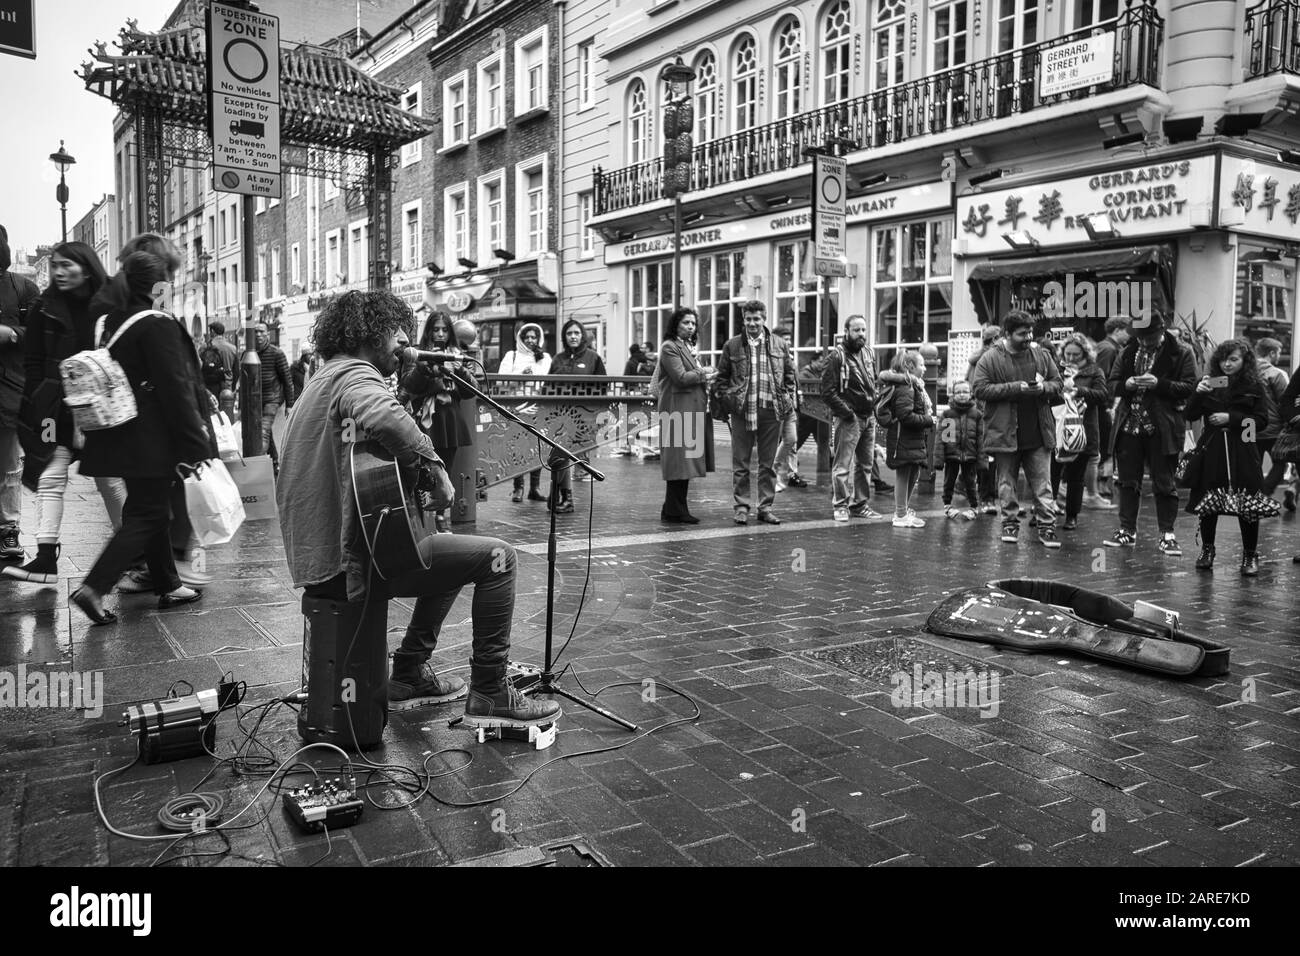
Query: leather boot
point(491, 695)
point(1250, 564)
point(534, 490)
point(1206, 560)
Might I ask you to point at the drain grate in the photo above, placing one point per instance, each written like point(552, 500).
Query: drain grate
point(877, 659)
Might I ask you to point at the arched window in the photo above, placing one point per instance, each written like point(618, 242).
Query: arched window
point(837, 52)
point(744, 84)
point(706, 97)
point(889, 53)
point(638, 124)
point(788, 63)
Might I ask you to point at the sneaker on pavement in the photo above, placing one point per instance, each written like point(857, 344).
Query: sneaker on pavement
point(989, 508)
point(1098, 503)
point(426, 688)
point(840, 514)
point(1121, 539)
point(9, 546)
point(796, 481)
point(1047, 537)
point(1011, 533)
point(865, 511)
point(42, 569)
point(969, 514)
point(1169, 545)
point(950, 512)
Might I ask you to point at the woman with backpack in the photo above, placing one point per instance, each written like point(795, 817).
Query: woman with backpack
point(904, 408)
point(1229, 460)
point(1084, 385)
point(170, 428)
point(59, 326)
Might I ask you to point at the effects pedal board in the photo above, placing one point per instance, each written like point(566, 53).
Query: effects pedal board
point(325, 804)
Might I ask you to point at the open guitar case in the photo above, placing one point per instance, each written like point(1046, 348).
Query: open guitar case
point(1036, 615)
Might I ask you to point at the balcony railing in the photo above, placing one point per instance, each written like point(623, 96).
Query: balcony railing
point(993, 88)
point(1273, 31)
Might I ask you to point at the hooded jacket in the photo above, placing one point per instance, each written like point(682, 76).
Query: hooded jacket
point(59, 326)
point(521, 360)
point(17, 296)
point(962, 432)
point(906, 442)
point(583, 361)
point(998, 385)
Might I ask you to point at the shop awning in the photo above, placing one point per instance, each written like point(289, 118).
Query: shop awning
point(1106, 260)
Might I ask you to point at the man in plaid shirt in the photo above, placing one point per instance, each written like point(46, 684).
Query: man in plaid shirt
point(756, 376)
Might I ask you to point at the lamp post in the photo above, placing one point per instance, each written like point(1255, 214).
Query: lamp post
point(679, 120)
point(63, 161)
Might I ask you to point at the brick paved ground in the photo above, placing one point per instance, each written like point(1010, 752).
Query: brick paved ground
point(786, 638)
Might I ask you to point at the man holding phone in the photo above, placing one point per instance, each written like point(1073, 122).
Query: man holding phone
point(1153, 378)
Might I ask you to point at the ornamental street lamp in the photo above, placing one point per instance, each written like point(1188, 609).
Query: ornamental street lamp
point(679, 120)
point(63, 161)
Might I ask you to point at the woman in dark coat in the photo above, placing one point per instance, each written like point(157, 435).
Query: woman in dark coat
point(907, 442)
point(58, 326)
point(435, 397)
point(170, 428)
point(685, 428)
point(1233, 417)
point(1084, 382)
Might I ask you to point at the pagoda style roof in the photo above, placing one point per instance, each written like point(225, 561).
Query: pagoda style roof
point(325, 100)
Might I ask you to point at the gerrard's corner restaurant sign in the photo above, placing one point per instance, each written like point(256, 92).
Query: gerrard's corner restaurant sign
point(1142, 200)
point(908, 201)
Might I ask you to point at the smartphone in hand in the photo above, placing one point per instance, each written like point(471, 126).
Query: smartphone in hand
point(1218, 381)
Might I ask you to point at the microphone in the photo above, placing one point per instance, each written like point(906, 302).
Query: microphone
point(423, 355)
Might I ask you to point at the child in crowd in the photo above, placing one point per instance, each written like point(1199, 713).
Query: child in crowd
point(961, 432)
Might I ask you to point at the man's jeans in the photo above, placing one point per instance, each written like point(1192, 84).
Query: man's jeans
point(855, 445)
point(742, 446)
point(269, 411)
point(456, 560)
point(1133, 455)
point(787, 453)
point(1037, 464)
point(11, 479)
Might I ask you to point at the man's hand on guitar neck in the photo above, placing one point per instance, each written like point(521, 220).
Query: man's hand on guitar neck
point(434, 486)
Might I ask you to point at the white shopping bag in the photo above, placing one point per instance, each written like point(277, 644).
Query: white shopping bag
point(213, 503)
point(224, 433)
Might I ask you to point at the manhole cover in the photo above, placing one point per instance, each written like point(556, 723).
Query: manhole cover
point(878, 659)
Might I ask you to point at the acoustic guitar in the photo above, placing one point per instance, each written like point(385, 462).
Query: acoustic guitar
point(392, 520)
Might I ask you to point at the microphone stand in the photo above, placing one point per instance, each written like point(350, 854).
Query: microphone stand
point(546, 682)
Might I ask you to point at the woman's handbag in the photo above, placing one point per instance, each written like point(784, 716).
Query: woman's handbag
point(1251, 505)
point(1071, 433)
point(1287, 446)
point(1189, 466)
point(213, 502)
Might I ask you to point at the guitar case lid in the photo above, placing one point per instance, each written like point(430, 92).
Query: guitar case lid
point(1037, 615)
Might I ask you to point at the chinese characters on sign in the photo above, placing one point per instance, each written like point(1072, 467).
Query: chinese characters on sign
point(1257, 189)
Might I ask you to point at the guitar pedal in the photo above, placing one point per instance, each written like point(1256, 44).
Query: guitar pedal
point(329, 804)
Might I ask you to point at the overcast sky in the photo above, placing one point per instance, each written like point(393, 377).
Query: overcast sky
point(42, 101)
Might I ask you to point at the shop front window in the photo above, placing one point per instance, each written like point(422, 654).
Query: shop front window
point(719, 291)
point(1265, 297)
point(912, 294)
point(651, 298)
point(801, 303)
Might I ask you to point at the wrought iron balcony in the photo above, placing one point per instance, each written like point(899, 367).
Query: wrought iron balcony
point(990, 89)
point(1273, 32)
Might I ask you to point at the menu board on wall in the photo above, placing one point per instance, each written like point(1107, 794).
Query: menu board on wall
point(961, 346)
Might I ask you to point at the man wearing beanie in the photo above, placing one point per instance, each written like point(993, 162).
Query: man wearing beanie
point(1018, 382)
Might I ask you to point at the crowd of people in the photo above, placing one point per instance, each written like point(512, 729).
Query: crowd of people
point(1098, 418)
